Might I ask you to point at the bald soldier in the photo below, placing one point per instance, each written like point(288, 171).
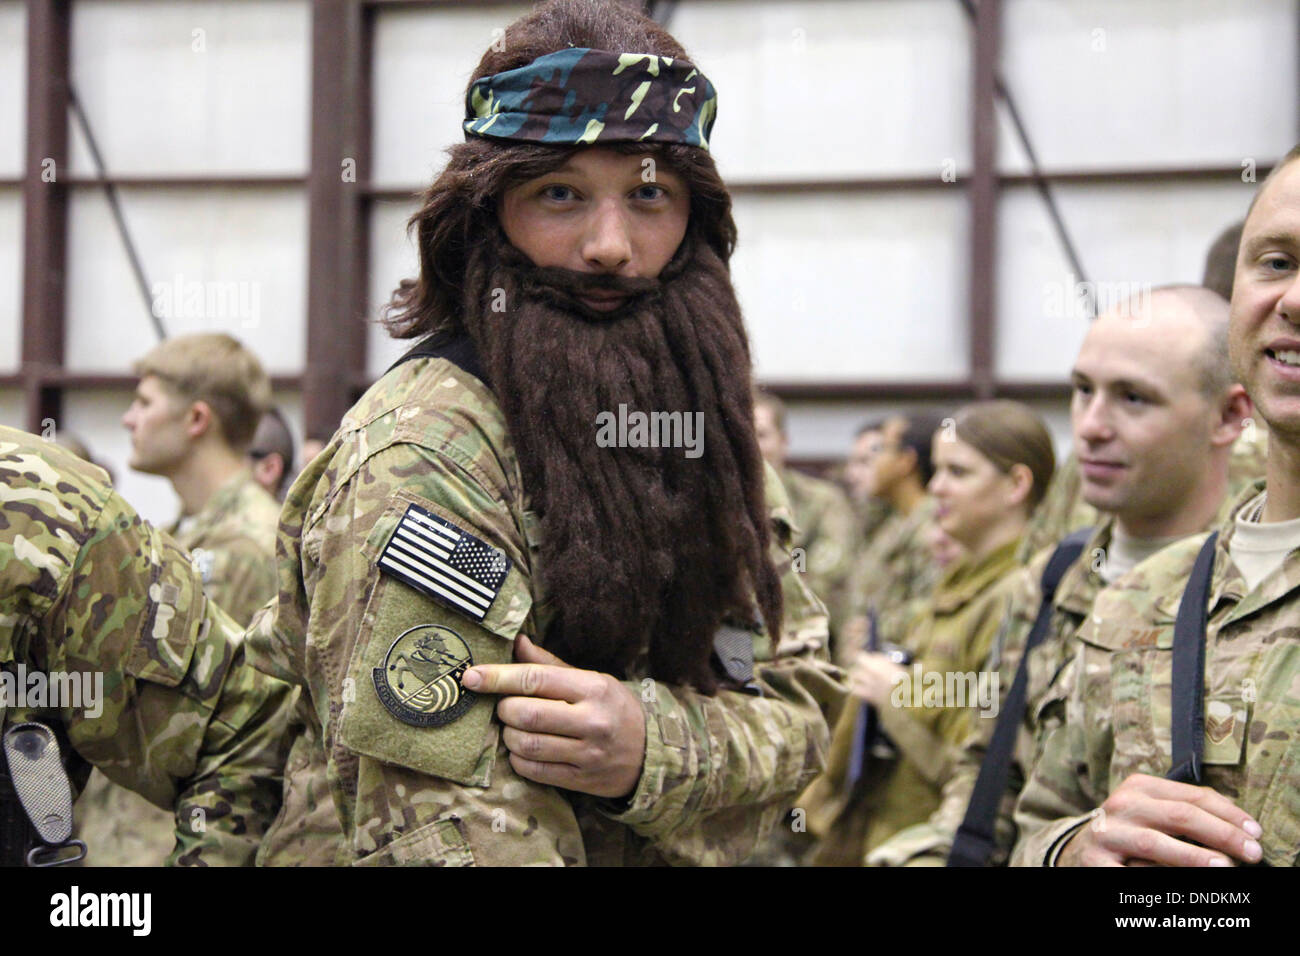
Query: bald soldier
point(1138, 772)
point(528, 636)
point(1155, 415)
point(1064, 509)
point(94, 599)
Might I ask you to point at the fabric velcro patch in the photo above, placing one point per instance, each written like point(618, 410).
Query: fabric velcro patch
point(445, 562)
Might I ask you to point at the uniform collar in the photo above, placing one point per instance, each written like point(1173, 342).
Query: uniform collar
point(967, 578)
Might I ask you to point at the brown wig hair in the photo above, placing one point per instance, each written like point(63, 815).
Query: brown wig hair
point(677, 544)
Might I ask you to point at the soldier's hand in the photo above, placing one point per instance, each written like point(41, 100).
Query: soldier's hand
point(580, 730)
point(873, 676)
point(1152, 821)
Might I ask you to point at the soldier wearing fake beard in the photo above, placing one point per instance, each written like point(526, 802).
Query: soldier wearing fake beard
point(628, 671)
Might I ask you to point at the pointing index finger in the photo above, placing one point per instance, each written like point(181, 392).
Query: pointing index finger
point(528, 680)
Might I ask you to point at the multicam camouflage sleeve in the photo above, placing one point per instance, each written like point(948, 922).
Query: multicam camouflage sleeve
point(419, 780)
point(720, 772)
point(243, 579)
point(93, 591)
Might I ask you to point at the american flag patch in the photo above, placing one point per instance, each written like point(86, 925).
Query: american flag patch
point(448, 564)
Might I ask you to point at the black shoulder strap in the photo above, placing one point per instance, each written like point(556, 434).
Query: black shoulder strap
point(1188, 682)
point(456, 348)
point(974, 843)
point(866, 725)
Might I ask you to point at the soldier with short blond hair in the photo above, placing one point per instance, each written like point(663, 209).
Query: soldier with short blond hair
point(194, 414)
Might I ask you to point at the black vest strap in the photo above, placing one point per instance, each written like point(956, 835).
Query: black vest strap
point(974, 843)
point(456, 348)
point(1188, 684)
point(866, 725)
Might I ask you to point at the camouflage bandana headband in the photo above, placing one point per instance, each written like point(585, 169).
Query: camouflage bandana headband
point(582, 97)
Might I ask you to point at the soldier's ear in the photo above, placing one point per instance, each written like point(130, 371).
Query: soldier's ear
point(1022, 483)
point(1235, 408)
point(269, 471)
point(199, 419)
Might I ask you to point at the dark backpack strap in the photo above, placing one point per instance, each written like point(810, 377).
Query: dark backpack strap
point(1188, 684)
point(456, 348)
point(866, 724)
point(974, 842)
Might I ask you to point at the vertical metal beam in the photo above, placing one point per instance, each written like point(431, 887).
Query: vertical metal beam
point(45, 208)
point(340, 163)
point(358, 221)
point(983, 195)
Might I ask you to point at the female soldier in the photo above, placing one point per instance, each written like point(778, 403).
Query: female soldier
point(992, 463)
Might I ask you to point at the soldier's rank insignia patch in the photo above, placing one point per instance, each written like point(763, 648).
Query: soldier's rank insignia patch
point(203, 563)
point(445, 562)
point(419, 681)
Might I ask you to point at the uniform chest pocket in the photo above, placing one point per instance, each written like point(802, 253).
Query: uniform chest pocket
point(441, 600)
point(1124, 676)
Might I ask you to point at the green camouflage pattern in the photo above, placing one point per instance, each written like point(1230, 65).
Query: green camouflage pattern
point(86, 587)
point(871, 517)
point(955, 633)
point(232, 541)
point(928, 843)
point(824, 540)
point(584, 97)
point(232, 545)
point(719, 771)
point(1111, 704)
point(895, 575)
point(1063, 509)
point(120, 827)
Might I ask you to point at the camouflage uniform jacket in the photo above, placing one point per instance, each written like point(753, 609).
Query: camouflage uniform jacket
point(928, 843)
point(1112, 701)
point(826, 530)
point(895, 575)
point(718, 772)
point(233, 543)
point(871, 517)
point(89, 588)
point(953, 634)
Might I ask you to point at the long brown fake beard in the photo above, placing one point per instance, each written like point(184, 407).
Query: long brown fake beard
point(644, 549)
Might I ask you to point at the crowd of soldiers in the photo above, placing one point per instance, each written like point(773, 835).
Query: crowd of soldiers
point(469, 633)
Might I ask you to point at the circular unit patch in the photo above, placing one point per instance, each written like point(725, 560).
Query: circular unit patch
point(419, 681)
